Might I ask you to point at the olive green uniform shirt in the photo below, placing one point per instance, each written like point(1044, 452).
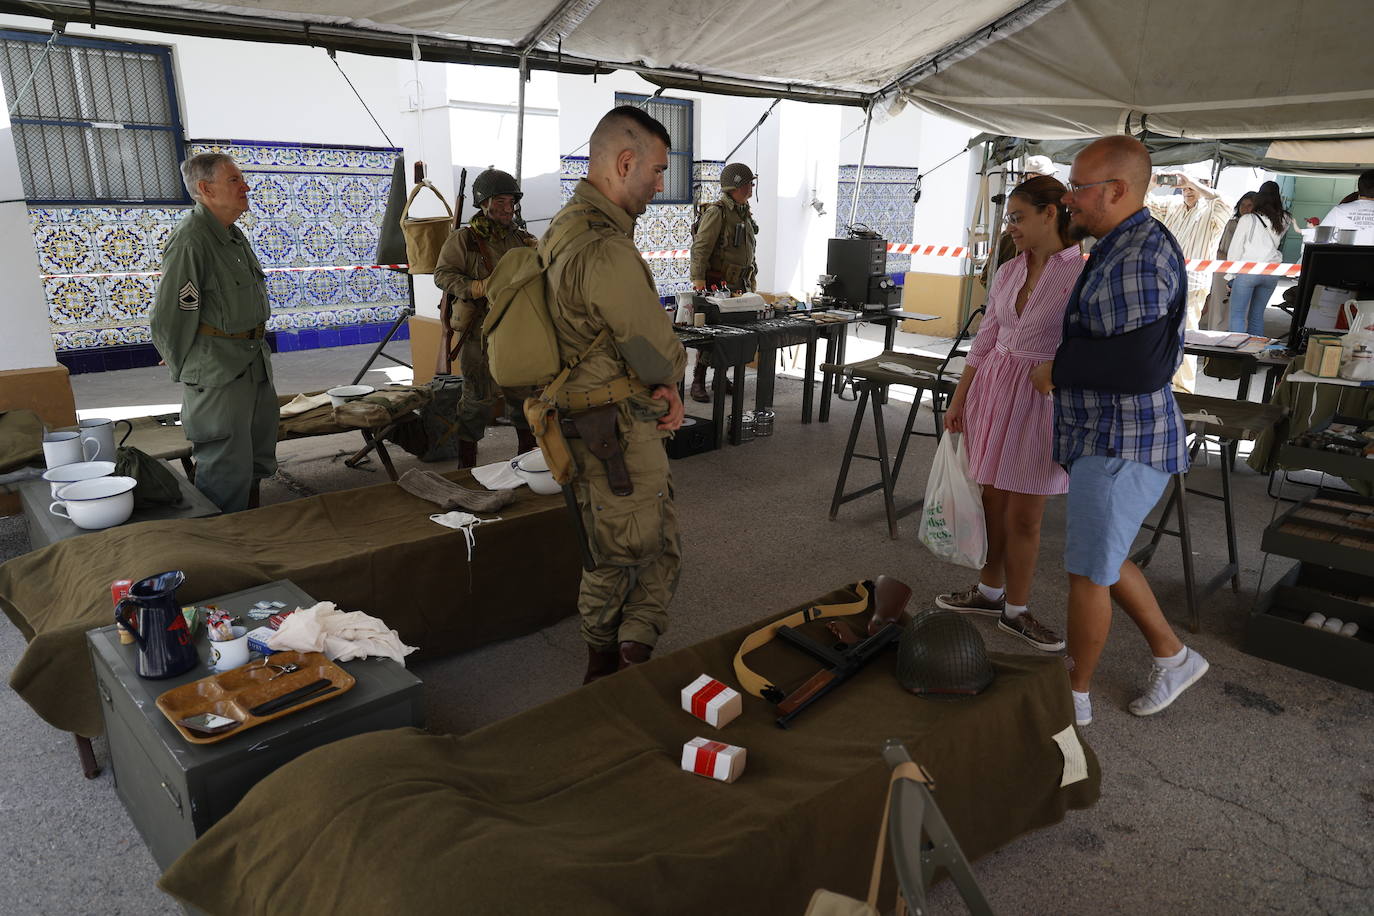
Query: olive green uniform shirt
point(210, 275)
point(723, 245)
point(607, 284)
point(460, 260)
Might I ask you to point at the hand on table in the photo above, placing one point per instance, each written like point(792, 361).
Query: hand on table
point(1041, 377)
point(676, 411)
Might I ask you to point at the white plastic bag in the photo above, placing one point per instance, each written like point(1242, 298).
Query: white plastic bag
point(952, 524)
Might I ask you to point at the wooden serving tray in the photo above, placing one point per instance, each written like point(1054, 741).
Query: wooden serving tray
point(233, 693)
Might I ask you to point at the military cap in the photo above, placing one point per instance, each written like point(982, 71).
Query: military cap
point(493, 182)
point(735, 175)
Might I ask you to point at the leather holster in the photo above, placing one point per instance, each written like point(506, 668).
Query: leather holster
point(598, 429)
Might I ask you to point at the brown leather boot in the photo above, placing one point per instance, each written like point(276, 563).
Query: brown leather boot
point(699, 392)
point(467, 454)
point(524, 441)
point(600, 662)
point(634, 653)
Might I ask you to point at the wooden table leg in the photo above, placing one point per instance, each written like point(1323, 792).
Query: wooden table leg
point(89, 768)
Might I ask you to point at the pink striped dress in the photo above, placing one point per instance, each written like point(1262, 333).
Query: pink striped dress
point(1009, 425)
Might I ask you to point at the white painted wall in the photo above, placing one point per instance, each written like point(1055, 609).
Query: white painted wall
point(27, 341)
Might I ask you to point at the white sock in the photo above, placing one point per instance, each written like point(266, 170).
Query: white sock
point(1173, 661)
point(990, 593)
point(1012, 611)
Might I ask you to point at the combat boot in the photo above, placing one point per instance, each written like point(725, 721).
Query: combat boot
point(524, 441)
point(467, 454)
point(634, 653)
point(729, 385)
point(600, 662)
point(699, 392)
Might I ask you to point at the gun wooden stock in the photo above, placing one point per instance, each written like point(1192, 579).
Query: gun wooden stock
point(806, 692)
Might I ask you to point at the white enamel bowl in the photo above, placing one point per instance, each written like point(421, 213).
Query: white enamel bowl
point(344, 393)
point(101, 502)
point(534, 471)
point(64, 474)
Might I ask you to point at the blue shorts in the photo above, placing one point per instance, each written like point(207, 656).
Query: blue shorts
point(1108, 500)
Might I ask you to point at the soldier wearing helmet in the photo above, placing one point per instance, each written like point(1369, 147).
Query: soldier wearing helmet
point(723, 244)
point(466, 261)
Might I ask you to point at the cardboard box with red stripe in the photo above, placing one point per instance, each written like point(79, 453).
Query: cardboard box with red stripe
point(714, 759)
point(711, 701)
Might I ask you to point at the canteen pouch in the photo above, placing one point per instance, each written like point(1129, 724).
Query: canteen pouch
point(548, 432)
point(425, 237)
point(157, 486)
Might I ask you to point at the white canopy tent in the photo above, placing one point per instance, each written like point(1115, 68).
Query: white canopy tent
point(1045, 69)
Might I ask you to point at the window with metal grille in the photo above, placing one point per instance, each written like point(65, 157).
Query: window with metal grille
point(93, 120)
point(677, 116)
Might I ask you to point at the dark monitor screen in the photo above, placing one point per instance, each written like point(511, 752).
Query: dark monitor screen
point(1331, 274)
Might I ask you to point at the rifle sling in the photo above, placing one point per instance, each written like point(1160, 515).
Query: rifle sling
point(760, 686)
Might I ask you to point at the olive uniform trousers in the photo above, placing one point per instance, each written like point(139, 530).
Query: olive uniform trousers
point(233, 433)
point(634, 539)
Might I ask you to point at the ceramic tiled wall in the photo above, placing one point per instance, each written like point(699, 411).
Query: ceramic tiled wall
point(885, 206)
point(310, 206)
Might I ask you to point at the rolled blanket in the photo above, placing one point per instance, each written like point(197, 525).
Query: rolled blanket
point(448, 495)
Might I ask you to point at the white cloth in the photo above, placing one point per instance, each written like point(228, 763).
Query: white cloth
point(338, 634)
point(464, 522)
point(1357, 215)
point(303, 402)
point(497, 476)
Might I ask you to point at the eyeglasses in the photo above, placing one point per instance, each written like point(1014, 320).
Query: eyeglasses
point(1013, 219)
point(1075, 187)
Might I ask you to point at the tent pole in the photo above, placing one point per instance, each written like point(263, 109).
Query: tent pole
point(524, 72)
point(859, 175)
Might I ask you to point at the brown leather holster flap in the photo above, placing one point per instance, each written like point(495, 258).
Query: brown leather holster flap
point(598, 430)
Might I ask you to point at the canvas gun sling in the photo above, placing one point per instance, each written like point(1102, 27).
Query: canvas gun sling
point(760, 686)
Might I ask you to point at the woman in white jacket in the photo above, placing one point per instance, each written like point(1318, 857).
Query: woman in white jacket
point(1257, 238)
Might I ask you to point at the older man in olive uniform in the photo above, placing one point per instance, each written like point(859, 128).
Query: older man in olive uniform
point(605, 286)
point(208, 322)
point(466, 261)
point(723, 248)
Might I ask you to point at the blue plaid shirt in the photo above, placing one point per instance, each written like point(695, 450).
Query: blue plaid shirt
point(1131, 277)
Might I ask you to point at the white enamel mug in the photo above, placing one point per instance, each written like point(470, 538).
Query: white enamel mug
point(65, 447)
point(100, 431)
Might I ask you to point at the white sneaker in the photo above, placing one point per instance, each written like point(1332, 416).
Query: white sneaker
point(1082, 710)
point(1166, 684)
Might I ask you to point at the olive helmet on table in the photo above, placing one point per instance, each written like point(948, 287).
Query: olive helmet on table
point(942, 655)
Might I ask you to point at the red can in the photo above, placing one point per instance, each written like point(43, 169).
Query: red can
point(119, 590)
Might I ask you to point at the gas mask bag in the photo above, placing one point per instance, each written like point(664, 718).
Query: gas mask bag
point(942, 656)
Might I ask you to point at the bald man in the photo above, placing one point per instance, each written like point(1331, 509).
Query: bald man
point(1117, 428)
point(628, 363)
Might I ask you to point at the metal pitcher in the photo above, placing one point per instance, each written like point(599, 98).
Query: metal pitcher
point(165, 646)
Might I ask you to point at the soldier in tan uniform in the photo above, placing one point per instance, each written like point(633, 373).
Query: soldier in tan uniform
point(723, 249)
point(606, 286)
point(465, 262)
point(209, 321)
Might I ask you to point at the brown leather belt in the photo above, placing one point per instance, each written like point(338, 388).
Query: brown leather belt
point(210, 330)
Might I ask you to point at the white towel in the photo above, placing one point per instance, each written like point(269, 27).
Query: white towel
point(497, 476)
point(339, 635)
point(303, 402)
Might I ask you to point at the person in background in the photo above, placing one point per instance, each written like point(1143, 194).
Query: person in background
point(1196, 217)
point(1357, 214)
point(1010, 425)
point(1117, 427)
point(209, 323)
point(467, 259)
point(1257, 238)
point(723, 243)
point(1216, 315)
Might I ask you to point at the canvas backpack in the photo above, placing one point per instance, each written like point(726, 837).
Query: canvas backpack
point(522, 343)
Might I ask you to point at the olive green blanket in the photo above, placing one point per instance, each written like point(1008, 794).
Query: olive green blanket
point(580, 805)
point(372, 549)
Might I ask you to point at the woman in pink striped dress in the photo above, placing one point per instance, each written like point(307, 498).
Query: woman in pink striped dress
point(1009, 426)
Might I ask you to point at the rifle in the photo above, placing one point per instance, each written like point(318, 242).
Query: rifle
point(888, 599)
point(447, 349)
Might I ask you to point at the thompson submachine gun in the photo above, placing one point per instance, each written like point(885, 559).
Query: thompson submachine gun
point(888, 599)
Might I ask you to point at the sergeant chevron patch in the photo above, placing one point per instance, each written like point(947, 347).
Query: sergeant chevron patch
point(189, 297)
